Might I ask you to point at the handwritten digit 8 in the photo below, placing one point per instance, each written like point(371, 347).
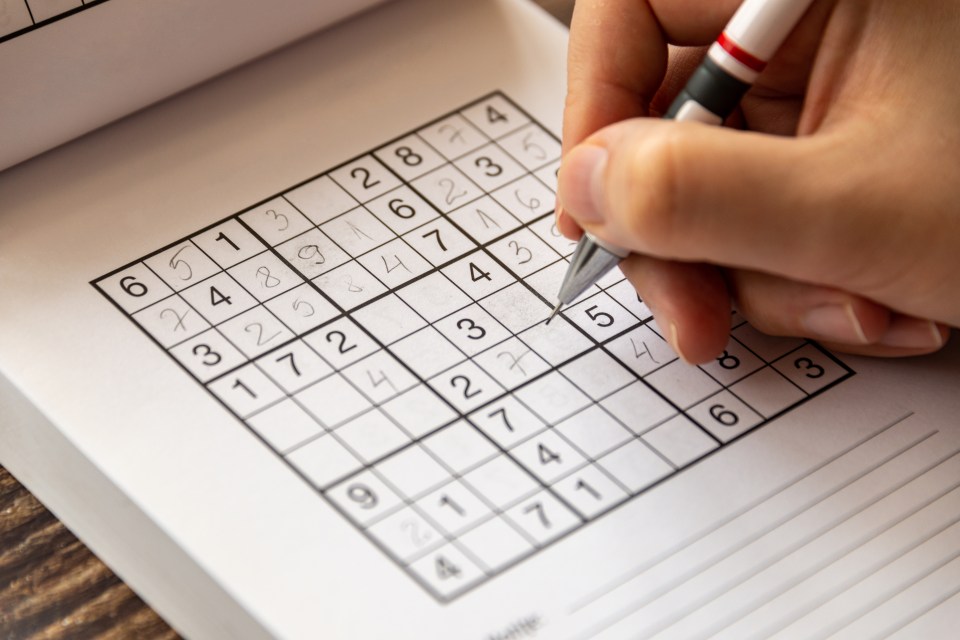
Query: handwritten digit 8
point(269, 281)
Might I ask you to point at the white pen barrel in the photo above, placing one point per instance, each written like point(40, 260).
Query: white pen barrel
point(759, 27)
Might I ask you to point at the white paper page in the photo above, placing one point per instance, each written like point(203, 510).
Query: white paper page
point(588, 518)
point(67, 67)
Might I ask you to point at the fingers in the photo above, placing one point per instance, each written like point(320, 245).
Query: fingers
point(839, 320)
point(617, 54)
point(615, 62)
point(689, 301)
point(905, 329)
point(566, 226)
point(787, 308)
point(580, 120)
point(901, 339)
point(619, 66)
point(685, 191)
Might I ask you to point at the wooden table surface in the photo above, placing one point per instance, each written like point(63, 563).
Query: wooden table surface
point(52, 586)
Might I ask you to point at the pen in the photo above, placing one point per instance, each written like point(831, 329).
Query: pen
point(731, 66)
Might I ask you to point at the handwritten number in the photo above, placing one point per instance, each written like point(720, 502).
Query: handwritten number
point(376, 382)
point(452, 194)
point(176, 262)
point(416, 537)
point(536, 150)
point(456, 134)
point(279, 217)
point(299, 304)
point(487, 220)
point(311, 252)
point(399, 264)
point(520, 250)
point(178, 326)
point(352, 286)
point(533, 203)
point(261, 340)
point(269, 281)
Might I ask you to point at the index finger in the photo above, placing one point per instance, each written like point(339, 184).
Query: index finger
point(617, 56)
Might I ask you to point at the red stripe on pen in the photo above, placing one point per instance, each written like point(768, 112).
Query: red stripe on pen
point(740, 55)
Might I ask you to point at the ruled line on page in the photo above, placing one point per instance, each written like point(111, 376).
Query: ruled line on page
point(625, 578)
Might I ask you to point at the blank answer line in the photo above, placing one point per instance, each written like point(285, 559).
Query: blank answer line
point(843, 624)
point(702, 567)
point(705, 600)
point(627, 577)
point(842, 553)
point(933, 605)
point(851, 584)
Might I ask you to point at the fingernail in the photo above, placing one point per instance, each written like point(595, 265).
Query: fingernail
point(835, 323)
point(581, 182)
point(912, 333)
point(675, 342)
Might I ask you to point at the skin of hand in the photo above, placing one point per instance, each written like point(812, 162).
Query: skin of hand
point(829, 208)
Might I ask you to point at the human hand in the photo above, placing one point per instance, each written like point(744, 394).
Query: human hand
point(834, 215)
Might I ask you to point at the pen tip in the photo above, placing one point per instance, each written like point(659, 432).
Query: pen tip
point(556, 310)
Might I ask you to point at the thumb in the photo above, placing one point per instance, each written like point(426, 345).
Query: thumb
point(692, 192)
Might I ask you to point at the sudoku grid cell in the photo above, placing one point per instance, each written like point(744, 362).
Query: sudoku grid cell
point(381, 328)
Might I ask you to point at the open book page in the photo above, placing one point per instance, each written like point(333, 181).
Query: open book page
point(296, 317)
point(67, 66)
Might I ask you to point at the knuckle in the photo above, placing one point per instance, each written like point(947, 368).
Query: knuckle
point(650, 205)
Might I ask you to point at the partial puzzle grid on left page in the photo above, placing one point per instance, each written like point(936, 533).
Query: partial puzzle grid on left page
point(380, 327)
point(18, 17)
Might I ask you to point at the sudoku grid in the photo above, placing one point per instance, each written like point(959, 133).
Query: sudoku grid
point(18, 17)
point(381, 328)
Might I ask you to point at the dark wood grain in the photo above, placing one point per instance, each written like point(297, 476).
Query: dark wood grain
point(51, 586)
